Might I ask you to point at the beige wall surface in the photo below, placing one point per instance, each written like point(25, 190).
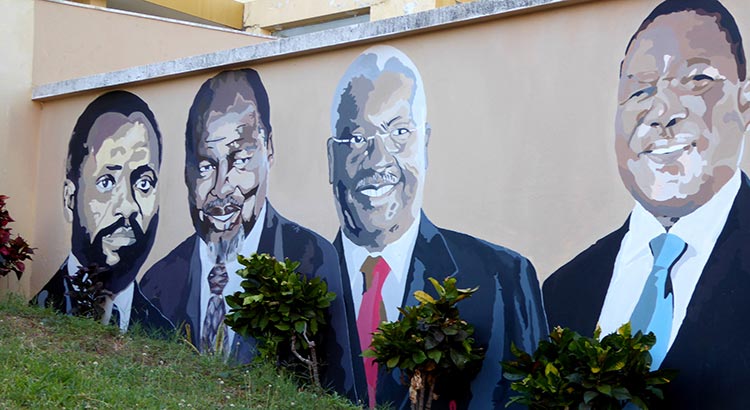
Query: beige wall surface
point(521, 153)
point(19, 121)
point(74, 41)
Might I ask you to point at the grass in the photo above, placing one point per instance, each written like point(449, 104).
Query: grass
point(52, 361)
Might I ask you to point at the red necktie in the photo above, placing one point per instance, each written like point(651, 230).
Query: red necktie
point(371, 312)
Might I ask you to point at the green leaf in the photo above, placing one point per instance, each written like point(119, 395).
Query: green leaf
point(589, 395)
point(392, 362)
point(423, 297)
point(419, 357)
point(605, 389)
point(435, 355)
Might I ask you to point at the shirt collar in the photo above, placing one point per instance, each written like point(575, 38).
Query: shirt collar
point(397, 253)
point(699, 229)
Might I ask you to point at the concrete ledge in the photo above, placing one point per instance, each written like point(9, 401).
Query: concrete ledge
point(308, 43)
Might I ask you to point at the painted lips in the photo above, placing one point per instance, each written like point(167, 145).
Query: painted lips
point(122, 236)
point(374, 192)
point(223, 214)
point(667, 154)
point(377, 185)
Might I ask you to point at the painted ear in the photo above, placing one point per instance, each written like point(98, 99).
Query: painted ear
point(269, 148)
point(69, 198)
point(427, 133)
point(744, 102)
point(329, 148)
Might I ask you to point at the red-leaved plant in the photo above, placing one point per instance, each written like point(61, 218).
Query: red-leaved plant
point(13, 251)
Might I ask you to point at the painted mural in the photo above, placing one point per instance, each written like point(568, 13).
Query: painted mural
point(111, 198)
point(680, 264)
point(377, 159)
point(229, 152)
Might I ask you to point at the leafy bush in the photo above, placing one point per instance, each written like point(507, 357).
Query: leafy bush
point(87, 293)
point(571, 371)
point(13, 251)
point(277, 305)
point(429, 342)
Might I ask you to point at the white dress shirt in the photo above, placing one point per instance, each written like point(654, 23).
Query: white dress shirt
point(123, 301)
point(398, 257)
point(249, 246)
point(699, 229)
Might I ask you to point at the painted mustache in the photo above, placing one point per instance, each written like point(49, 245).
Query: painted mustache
point(126, 229)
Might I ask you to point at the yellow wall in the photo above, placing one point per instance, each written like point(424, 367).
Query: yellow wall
point(274, 15)
point(19, 119)
point(71, 41)
point(226, 12)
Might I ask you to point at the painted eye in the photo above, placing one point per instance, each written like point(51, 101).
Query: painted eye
point(144, 184)
point(699, 82)
point(357, 141)
point(401, 134)
point(644, 92)
point(240, 162)
point(205, 167)
point(105, 183)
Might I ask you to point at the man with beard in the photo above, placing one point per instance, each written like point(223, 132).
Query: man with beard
point(679, 266)
point(110, 195)
point(228, 153)
point(388, 248)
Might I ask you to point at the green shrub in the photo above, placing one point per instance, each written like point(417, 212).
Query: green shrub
point(278, 305)
point(430, 341)
point(571, 371)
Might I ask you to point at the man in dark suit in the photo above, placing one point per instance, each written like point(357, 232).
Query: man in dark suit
point(228, 154)
point(388, 248)
point(680, 128)
point(110, 196)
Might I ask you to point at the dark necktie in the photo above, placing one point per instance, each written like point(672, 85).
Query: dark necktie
point(655, 308)
point(371, 312)
point(215, 310)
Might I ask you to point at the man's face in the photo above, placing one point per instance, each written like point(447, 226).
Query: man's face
point(228, 186)
point(680, 118)
point(378, 160)
point(116, 202)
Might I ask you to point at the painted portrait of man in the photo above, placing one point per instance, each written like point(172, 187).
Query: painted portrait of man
point(679, 266)
point(378, 157)
point(229, 151)
point(111, 198)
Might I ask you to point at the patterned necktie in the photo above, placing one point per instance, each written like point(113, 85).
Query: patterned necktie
point(654, 311)
point(371, 312)
point(215, 310)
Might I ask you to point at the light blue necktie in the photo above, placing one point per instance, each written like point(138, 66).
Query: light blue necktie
point(654, 310)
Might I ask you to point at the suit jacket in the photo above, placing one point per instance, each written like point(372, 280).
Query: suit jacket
point(173, 284)
point(54, 294)
point(506, 308)
point(711, 350)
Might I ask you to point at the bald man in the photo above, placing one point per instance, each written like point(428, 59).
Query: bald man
point(377, 158)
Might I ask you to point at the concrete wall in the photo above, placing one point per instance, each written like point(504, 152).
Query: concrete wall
point(521, 153)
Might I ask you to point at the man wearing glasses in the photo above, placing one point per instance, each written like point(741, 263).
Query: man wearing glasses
point(388, 248)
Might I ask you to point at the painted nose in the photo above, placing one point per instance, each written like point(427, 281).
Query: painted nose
point(378, 156)
point(667, 110)
point(222, 187)
point(126, 205)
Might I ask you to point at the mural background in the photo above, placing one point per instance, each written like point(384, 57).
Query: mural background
point(521, 153)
